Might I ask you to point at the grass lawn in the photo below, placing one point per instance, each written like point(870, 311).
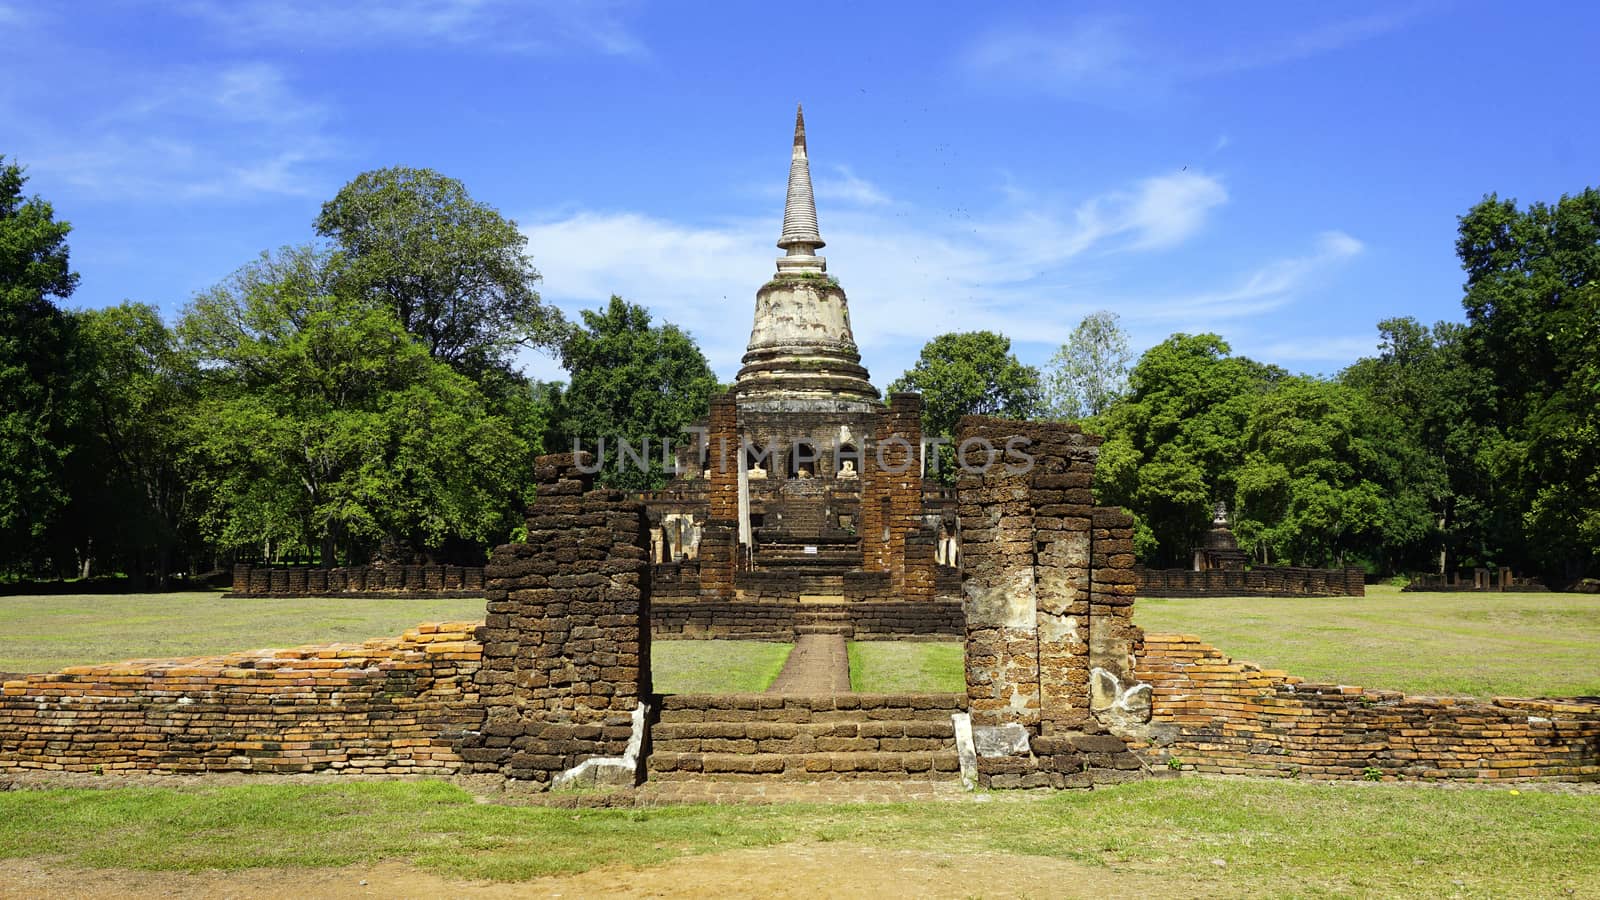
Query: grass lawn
point(888, 667)
point(42, 634)
point(715, 667)
point(1201, 836)
point(1467, 644)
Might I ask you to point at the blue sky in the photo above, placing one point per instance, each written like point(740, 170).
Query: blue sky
point(1283, 174)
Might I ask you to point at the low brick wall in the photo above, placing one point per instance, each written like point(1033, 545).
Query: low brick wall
point(398, 582)
point(393, 706)
point(1215, 714)
point(886, 621)
point(1262, 581)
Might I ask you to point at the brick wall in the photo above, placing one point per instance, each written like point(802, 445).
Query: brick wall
point(1215, 714)
point(398, 581)
point(1262, 581)
point(385, 706)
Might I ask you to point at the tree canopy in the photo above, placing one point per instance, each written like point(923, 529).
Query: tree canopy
point(454, 271)
point(36, 341)
point(633, 380)
point(1090, 371)
point(326, 426)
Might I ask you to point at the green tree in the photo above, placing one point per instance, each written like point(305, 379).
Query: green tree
point(1316, 485)
point(35, 347)
point(630, 380)
point(969, 373)
point(325, 426)
point(1174, 444)
point(1432, 402)
point(1533, 311)
point(1090, 371)
point(132, 507)
point(455, 272)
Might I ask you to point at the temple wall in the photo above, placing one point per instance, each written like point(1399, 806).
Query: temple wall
point(1262, 581)
point(396, 581)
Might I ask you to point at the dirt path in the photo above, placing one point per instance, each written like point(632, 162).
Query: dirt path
point(818, 664)
point(806, 871)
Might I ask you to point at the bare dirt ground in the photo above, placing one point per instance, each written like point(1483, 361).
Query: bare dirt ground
point(789, 871)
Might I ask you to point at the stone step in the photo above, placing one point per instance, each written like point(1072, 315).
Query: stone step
point(821, 615)
point(880, 764)
point(842, 708)
point(764, 731)
point(841, 628)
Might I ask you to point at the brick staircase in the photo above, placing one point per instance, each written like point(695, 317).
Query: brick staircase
point(805, 737)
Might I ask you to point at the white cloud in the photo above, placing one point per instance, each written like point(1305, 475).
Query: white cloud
point(189, 131)
point(845, 186)
point(1261, 290)
point(510, 26)
point(1118, 59)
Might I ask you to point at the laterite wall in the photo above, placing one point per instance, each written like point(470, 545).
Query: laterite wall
point(393, 706)
point(1215, 714)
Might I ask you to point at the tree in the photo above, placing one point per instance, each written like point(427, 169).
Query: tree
point(969, 373)
point(132, 507)
point(1432, 404)
point(1318, 483)
point(1090, 371)
point(35, 347)
point(631, 380)
point(454, 271)
point(1174, 444)
point(325, 426)
point(1533, 312)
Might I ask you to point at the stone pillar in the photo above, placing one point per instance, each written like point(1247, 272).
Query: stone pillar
point(1116, 697)
point(997, 584)
point(1048, 586)
point(566, 641)
point(922, 548)
point(719, 556)
point(1063, 507)
point(891, 490)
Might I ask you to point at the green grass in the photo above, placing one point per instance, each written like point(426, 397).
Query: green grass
point(1275, 838)
point(1465, 644)
point(883, 667)
point(715, 667)
point(42, 634)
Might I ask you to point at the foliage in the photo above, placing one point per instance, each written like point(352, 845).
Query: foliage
point(630, 380)
point(1533, 312)
point(132, 504)
point(1175, 443)
point(35, 369)
point(969, 373)
point(1427, 400)
point(325, 425)
point(453, 270)
point(1090, 371)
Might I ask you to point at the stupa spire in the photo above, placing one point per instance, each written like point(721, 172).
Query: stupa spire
point(800, 235)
